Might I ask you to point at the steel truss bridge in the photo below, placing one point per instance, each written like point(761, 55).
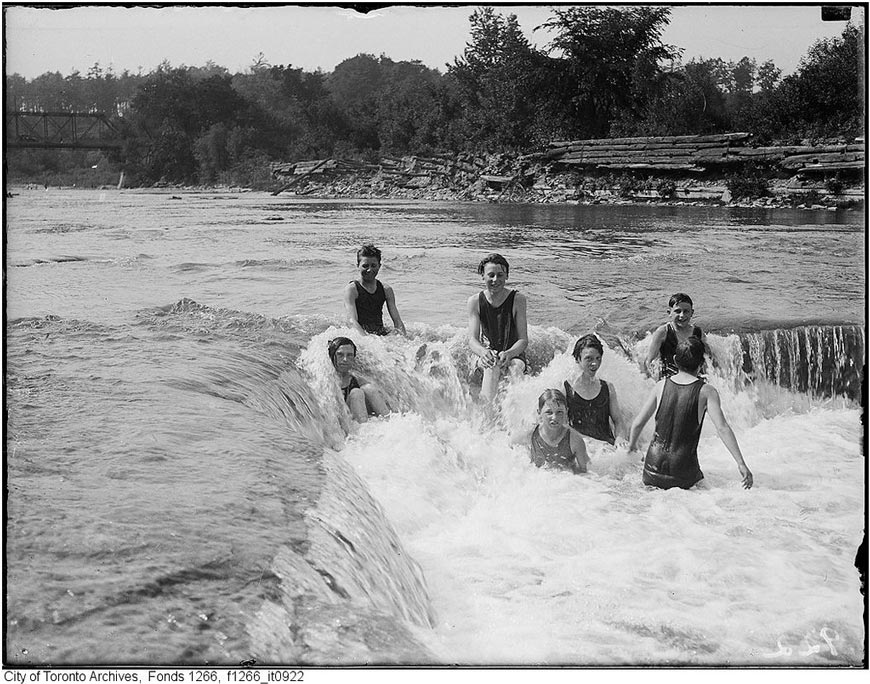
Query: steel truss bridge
point(60, 130)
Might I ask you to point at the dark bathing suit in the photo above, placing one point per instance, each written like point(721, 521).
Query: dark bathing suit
point(672, 457)
point(560, 456)
point(497, 324)
point(370, 308)
point(590, 417)
point(669, 348)
point(353, 384)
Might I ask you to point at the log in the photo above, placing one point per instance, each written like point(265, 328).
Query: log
point(721, 137)
point(800, 160)
point(298, 178)
point(833, 166)
point(629, 153)
point(497, 180)
point(661, 167)
point(646, 146)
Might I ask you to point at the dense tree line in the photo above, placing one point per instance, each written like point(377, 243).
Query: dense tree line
point(606, 72)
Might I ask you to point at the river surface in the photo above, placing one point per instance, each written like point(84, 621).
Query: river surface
point(185, 485)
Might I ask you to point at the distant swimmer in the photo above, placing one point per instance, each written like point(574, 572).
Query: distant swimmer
point(593, 409)
point(362, 398)
point(553, 443)
point(666, 337)
point(682, 400)
point(364, 297)
point(497, 328)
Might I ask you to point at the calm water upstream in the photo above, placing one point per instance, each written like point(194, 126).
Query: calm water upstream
point(182, 487)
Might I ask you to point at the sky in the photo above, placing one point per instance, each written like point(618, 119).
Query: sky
point(72, 38)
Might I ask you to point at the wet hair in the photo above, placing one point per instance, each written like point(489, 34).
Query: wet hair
point(689, 355)
point(493, 259)
point(587, 341)
point(552, 395)
point(368, 251)
point(333, 345)
point(679, 297)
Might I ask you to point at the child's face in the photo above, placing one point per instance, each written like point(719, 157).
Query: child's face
point(344, 358)
point(494, 276)
point(553, 414)
point(681, 314)
point(369, 267)
point(590, 360)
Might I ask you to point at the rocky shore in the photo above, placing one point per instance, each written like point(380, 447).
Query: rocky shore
point(568, 188)
point(678, 170)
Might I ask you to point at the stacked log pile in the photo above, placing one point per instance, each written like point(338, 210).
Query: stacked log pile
point(698, 153)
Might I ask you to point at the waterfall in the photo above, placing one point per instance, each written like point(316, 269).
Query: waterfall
point(824, 361)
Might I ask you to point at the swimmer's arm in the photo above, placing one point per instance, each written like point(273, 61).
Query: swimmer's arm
point(615, 413)
point(522, 342)
point(350, 295)
point(655, 346)
point(726, 434)
point(641, 419)
point(393, 309)
point(578, 448)
point(487, 356)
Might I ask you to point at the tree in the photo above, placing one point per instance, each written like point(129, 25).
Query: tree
point(355, 86)
point(824, 97)
point(172, 109)
point(609, 62)
point(499, 79)
point(691, 101)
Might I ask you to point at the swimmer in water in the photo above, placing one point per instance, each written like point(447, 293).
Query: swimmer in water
point(363, 399)
point(667, 336)
point(593, 409)
point(682, 401)
point(553, 443)
point(364, 298)
point(497, 328)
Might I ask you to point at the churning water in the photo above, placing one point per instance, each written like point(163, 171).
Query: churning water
point(185, 486)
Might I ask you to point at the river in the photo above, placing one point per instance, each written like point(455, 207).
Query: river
point(185, 487)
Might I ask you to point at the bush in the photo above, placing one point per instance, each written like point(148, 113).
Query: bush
point(812, 197)
point(749, 186)
point(666, 188)
point(834, 185)
point(627, 185)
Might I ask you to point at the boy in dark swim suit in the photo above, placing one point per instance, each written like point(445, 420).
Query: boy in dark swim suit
point(497, 328)
point(364, 298)
point(666, 337)
point(592, 403)
point(553, 443)
point(363, 399)
point(682, 400)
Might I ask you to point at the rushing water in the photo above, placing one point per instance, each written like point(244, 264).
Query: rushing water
point(183, 488)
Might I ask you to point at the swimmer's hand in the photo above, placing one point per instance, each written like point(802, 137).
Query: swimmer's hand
point(489, 359)
point(747, 476)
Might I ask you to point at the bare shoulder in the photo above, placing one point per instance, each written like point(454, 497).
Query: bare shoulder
point(350, 289)
point(708, 391)
point(472, 301)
